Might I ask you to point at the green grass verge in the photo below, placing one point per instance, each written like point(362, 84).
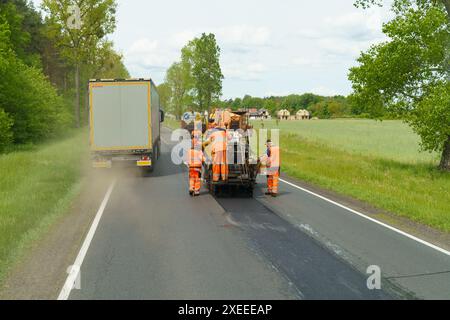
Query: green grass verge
point(418, 191)
point(37, 186)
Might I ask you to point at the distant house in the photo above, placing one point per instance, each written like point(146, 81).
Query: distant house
point(302, 115)
point(283, 114)
point(255, 114)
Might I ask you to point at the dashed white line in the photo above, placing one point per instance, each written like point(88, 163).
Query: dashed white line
point(442, 250)
point(75, 268)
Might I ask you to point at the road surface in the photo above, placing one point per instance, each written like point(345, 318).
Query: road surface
point(154, 241)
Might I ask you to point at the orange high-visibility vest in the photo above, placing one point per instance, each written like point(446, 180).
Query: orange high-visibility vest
point(195, 158)
point(197, 134)
point(274, 159)
point(219, 141)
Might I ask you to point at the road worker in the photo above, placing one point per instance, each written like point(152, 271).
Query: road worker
point(218, 141)
point(195, 161)
point(198, 131)
point(273, 168)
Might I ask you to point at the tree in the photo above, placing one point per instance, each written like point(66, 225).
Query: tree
point(77, 27)
point(179, 79)
point(203, 55)
point(107, 64)
point(32, 108)
point(409, 74)
point(6, 135)
point(165, 93)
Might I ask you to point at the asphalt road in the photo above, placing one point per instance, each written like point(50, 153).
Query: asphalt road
point(156, 242)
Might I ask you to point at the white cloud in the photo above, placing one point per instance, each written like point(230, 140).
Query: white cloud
point(244, 35)
point(247, 72)
point(314, 62)
point(149, 54)
point(348, 34)
point(232, 36)
point(180, 39)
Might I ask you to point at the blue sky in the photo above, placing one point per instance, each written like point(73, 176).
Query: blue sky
point(268, 47)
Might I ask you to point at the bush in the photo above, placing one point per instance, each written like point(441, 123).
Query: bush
point(31, 101)
point(28, 97)
point(5, 129)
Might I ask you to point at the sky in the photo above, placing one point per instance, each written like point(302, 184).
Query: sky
point(267, 47)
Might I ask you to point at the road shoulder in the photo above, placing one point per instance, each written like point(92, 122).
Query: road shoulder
point(421, 231)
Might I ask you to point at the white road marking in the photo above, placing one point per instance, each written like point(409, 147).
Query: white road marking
point(75, 268)
point(371, 219)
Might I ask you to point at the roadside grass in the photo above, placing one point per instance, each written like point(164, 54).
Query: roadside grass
point(388, 139)
point(417, 191)
point(37, 185)
point(171, 123)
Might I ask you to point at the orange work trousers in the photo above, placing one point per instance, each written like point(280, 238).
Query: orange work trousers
point(195, 182)
point(272, 182)
point(219, 165)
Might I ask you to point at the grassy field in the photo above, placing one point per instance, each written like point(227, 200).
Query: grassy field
point(36, 186)
point(389, 139)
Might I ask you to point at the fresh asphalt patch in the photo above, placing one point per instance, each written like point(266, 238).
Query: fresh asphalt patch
point(315, 270)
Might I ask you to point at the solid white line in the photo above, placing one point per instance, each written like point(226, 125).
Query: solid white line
point(75, 268)
point(371, 219)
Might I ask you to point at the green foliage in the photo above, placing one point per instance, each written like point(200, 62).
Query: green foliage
point(202, 55)
point(79, 46)
point(5, 129)
point(164, 92)
point(431, 118)
point(403, 75)
point(179, 80)
point(295, 102)
point(26, 95)
point(33, 104)
point(334, 107)
point(106, 64)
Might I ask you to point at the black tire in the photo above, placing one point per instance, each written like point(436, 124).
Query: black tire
point(146, 171)
point(159, 149)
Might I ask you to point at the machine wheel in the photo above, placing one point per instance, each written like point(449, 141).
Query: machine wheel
point(250, 191)
point(158, 154)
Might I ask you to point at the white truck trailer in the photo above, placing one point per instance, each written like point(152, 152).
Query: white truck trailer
point(124, 121)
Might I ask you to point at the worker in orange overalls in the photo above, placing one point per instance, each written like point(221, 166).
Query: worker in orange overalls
point(273, 168)
point(197, 133)
point(195, 159)
point(218, 139)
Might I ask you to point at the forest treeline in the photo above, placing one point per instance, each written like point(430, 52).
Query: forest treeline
point(38, 75)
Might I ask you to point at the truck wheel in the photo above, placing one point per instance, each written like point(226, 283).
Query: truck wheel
point(146, 171)
point(159, 149)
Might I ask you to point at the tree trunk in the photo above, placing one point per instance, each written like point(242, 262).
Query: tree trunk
point(77, 96)
point(445, 158)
